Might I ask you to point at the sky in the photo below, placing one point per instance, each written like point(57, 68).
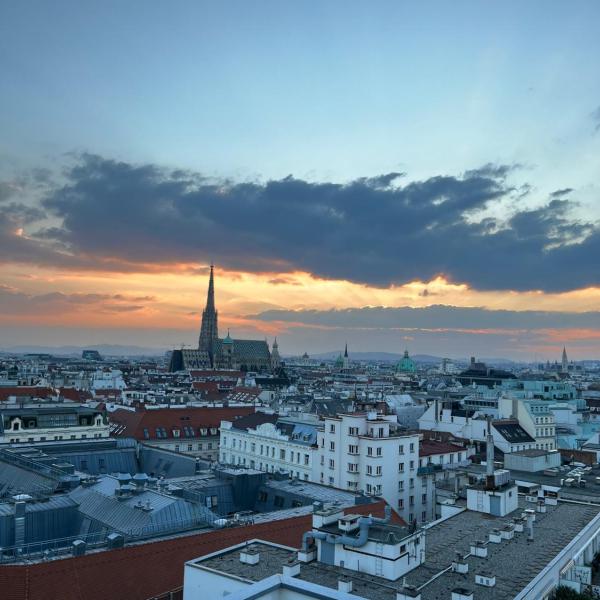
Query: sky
point(389, 174)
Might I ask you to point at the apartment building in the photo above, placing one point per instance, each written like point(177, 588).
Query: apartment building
point(369, 452)
point(535, 417)
point(270, 443)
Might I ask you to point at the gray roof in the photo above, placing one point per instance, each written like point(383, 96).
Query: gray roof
point(247, 349)
point(99, 503)
point(513, 562)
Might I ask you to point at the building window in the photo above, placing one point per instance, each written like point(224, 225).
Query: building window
point(332, 445)
point(401, 486)
point(278, 502)
point(401, 467)
point(369, 470)
point(380, 451)
point(369, 451)
point(401, 503)
point(352, 449)
point(352, 430)
point(401, 449)
point(281, 454)
point(331, 463)
point(412, 447)
point(331, 428)
point(190, 447)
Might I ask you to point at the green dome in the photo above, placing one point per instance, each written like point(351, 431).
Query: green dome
point(406, 364)
point(228, 339)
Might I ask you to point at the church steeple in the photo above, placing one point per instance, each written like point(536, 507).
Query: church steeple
point(565, 361)
point(209, 331)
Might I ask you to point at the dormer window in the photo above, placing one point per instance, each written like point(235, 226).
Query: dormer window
point(16, 426)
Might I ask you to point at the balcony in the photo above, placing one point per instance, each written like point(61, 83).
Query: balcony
point(429, 469)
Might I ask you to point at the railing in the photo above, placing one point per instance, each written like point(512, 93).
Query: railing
point(33, 465)
point(47, 549)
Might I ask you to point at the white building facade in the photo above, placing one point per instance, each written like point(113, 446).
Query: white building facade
point(279, 445)
point(368, 452)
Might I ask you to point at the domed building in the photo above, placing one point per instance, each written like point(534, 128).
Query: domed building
point(406, 364)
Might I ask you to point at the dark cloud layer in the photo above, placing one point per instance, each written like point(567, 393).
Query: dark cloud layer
point(435, 317)
point(372, 230)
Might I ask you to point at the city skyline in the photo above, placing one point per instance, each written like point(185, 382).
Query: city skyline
point(376, 177)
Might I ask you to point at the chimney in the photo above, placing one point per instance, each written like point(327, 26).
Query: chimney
point(479, 548)
point(249, 556)
point(530, 515)
point(292, 569)
point(459, 564)
point(408, 592)
point(489, 456)
point(345, 585)
point(495, 537)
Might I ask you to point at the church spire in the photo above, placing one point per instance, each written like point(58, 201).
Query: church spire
point(565, 361)
point(209, 331)
point(346, 351)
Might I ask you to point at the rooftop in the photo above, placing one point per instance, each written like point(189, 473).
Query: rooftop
point(514, 562)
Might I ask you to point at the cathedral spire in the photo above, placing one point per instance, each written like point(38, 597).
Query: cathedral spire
point(209, 331)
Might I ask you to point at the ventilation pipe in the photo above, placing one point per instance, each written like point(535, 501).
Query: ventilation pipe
point(364, 524)
point(489, 456)
point(530, 518)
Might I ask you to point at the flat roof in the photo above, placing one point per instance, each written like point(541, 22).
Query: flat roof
point(514, 563)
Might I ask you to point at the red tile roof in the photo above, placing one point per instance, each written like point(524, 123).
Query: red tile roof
point(134, 423)
point(147, 570)
point(74, 394)
point(26, 391)
point(431, 448)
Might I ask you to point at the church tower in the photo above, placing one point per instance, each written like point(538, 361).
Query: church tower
point(346, 360)
point(275, 358)
point(209, 331)
point(565, 361)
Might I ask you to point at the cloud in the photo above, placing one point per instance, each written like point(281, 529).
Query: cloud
point(121, 216)
point(15, 303)
point(434, 317)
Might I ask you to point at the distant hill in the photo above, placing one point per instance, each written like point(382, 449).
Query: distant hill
point(104, 349)
point(377, 356)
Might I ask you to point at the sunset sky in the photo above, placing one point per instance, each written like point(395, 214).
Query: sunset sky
point(391, 174)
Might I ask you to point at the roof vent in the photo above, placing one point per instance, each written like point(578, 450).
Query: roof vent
point(292, 568)
point(249, 556)
point(115, 540)
point(345, 584)
point(479, 548)
point(495, 537)
point(459, 564)
point(461, 594)
point(485, 579)
point(408, 592)
point(78, 548)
